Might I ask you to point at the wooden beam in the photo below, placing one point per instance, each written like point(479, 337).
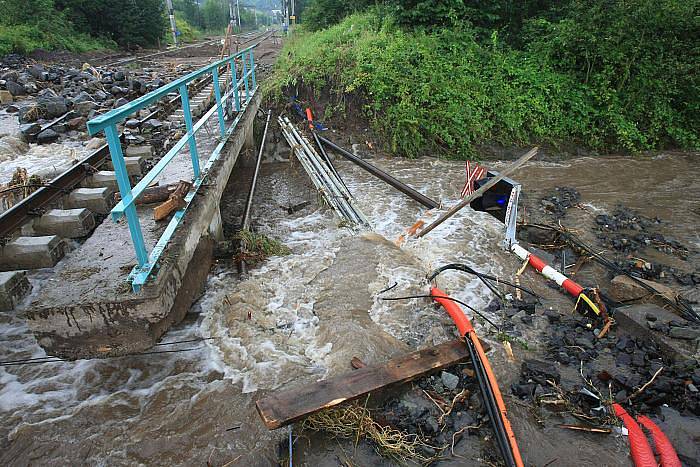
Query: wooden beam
point(282, 408)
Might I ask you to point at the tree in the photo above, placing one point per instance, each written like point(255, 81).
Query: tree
point(128, 23)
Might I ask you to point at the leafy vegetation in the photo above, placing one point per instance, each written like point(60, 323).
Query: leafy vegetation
point(442, 76)
point(34, 24)
point(256, 247)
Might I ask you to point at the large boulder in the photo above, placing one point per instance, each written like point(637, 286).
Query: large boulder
point(15, 89)
point(625, 288)
point(47, 136)
point(52, 107)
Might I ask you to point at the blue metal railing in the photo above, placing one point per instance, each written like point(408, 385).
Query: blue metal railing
point(147, 262)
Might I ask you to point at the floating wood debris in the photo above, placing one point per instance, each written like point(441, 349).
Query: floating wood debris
point(282, 408)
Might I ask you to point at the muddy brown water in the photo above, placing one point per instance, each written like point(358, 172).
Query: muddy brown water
point(310, 313)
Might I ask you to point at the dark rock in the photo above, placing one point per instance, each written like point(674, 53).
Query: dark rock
point(15, 89)
point(553, 316)
point(117, 90)
point(11, 75)
point(449, 380)
point(10, 109)
point(82, 97)
point(523, 390)
point(120, 102)
point(685, 333)
point(585, 342)
point(28, 114)
point(461, 420)
point(623, 359)
point(84, 108)
point(52, 107)
point(132, 123)
point(100, 95)
point(152, 124)
point(30, 130)
point(119, 76)
point(431, 425)
point(540, 371)
point(47, 136)
point(38, 72)
point(77, 123)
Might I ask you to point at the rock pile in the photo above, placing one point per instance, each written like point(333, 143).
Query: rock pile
point(48, 92)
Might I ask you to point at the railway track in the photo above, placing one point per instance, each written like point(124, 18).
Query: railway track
point(67, 192)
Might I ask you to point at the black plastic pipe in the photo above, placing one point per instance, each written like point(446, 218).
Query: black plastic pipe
point(379, 173)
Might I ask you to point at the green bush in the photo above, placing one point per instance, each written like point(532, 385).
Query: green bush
point(26, 38)
point(442, 91)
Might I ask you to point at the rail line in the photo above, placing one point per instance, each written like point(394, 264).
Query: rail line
point(25, 210)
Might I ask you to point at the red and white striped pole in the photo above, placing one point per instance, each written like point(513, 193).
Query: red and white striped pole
point(548, 271)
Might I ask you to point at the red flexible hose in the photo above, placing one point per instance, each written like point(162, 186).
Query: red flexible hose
point(640, 450)
point(667, 454)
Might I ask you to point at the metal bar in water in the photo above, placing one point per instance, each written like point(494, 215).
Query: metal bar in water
point(249, 203)
point(379, 173)
point(329, 162)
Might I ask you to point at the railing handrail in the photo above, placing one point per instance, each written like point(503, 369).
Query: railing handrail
point(119, 114)
point(136, 191)
point(147, 262)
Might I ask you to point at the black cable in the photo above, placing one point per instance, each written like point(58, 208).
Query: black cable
point(684, 309)
point(491, 406)
point(49, 359)
point(388, 288)
point(469, 270)
point(408, 297)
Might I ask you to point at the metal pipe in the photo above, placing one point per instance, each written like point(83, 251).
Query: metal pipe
point(333, 182)
point(324, 180)
point(245, 222)
point(329, 162)
point(249, 202)
point(379, 173)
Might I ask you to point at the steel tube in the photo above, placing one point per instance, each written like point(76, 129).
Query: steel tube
point(379, 173)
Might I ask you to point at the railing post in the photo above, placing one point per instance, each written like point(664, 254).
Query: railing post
point(190, 133)
point(245, 78)
point(217, 94)
point(115, 152)
point(252, 69)
point(236, 96)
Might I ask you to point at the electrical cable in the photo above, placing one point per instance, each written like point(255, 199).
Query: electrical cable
point(480, 275)
point(408, 297)
point(683, 308)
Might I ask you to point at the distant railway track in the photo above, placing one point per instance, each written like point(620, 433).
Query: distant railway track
point(33, 205)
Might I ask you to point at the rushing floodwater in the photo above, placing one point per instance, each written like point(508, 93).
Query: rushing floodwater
point(196, 406)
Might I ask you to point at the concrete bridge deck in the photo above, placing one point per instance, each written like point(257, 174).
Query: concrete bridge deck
point(88, 309)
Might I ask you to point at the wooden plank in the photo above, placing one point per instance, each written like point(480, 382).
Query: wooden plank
point(282, 408)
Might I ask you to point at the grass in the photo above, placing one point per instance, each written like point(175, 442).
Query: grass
point(27, 38)
point(256, 247)
point(444, 93)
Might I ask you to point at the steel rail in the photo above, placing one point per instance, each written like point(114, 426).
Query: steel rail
point(16, 216)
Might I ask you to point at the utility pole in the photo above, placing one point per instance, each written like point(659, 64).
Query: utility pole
point(171, 15)
point(238, 14)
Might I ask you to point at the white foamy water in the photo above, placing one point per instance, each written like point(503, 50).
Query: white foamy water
point(284, 342)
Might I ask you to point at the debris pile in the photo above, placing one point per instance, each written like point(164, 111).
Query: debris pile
point(44, 93)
